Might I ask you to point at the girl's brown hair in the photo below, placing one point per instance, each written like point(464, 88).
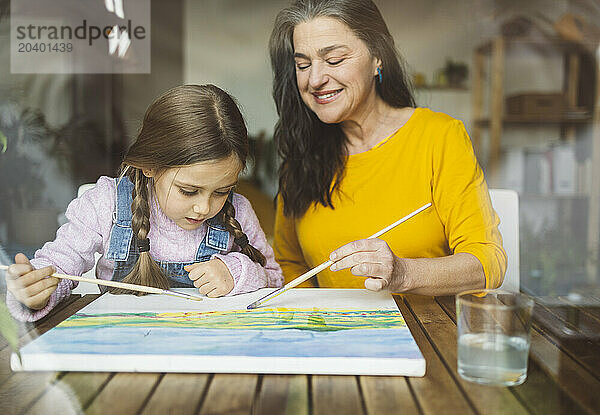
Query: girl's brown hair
point(188, 124)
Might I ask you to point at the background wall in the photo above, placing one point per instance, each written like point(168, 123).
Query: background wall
point(225, 42)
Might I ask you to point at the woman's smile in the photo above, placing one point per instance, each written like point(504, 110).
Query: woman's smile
point(325, 97)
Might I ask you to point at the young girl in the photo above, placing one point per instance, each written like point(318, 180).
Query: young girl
point(170, 220)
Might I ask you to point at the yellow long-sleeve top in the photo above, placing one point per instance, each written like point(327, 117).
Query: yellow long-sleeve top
point(429, 159)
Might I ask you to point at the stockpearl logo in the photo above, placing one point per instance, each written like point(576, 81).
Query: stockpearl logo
point(80, 36)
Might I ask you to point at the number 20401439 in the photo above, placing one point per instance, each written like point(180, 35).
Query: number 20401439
point(46, 47)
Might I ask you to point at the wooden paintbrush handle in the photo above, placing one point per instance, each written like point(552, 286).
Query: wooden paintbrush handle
point(308, 274)
point(116, 284)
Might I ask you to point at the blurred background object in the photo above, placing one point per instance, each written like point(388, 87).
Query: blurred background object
point(522, 76)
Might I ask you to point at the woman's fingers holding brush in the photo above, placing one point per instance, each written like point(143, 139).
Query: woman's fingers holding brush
point(371, 258)
point(365, 257)
point(32, 287)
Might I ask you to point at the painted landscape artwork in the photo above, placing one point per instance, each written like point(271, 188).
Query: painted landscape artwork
point(309, 331)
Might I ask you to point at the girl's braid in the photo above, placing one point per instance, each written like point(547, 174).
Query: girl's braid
point(235, 229)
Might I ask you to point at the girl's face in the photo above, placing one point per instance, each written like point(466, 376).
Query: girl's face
point(191, 194)
point(335, 72)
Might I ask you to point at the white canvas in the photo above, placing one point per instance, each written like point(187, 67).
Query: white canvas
point(304, 331)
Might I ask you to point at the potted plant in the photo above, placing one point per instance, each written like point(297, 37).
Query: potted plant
point(456, 73)
point(25, 141)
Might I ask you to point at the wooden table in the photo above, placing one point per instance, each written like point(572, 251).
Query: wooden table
point(564, 377)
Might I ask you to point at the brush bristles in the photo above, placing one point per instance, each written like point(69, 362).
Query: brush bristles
point(145, 272)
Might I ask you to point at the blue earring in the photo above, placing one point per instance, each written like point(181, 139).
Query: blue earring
point(379, 74)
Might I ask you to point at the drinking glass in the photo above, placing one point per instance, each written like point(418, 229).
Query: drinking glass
point(494, 333)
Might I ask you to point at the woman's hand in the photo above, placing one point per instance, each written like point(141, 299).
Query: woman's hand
point(212, 278)
point(371, 258)
point(32, 287)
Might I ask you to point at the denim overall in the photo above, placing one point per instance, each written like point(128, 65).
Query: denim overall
point(124, 251)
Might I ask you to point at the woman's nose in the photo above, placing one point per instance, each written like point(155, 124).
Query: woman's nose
point(318, 76)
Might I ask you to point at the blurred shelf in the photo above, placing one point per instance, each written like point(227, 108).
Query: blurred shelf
point(554, 42)
point(443, 88)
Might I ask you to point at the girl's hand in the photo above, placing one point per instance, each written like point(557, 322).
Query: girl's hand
point(32, 287)
point(212, 278)
point(371, 258)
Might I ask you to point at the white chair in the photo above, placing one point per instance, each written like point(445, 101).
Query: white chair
point(506, 205)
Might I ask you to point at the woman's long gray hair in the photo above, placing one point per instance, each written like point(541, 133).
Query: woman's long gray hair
point(313, 153)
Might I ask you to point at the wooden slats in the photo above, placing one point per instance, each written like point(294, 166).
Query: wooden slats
point(335, 393)
point(566, 372)
point(280, 395)
point(551, 373)
point(230, 394)
point(387, 395)
point(543, 396)
point(437, 381)
point(126, 393)
point(586, 304)
point(557, 381)
point(576, 333)
point(5, 370)
point(27, 387)
point(21, 390)
point(188, 388)
point(442, 331)
point(70, 394)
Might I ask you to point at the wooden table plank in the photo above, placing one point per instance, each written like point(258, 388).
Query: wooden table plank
point(557, 382)
point(442, 331)
point(230, 394)
point(437, 392)
point(387, 395)
point(33, 388)
point(543, 396)
point(582, 387)
point(585, 303)
point(581, 341)
point(335, 394)
point(5, 370)
point(283, 394)
point(187, 387)
point(70, 394)
point(547, 390)
point(21, 390)
point(125, 394)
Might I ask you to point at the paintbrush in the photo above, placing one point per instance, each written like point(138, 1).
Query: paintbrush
point(124, 285)
point(326, 264)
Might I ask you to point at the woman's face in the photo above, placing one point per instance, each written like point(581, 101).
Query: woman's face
point(335, 72)
point(191, 194)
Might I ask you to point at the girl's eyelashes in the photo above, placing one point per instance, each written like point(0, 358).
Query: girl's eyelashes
point(187, 192)
point(195, 192)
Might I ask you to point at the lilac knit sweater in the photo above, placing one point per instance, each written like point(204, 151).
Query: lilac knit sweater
point(88, 231)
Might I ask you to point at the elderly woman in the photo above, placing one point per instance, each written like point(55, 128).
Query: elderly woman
point(358, 155)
